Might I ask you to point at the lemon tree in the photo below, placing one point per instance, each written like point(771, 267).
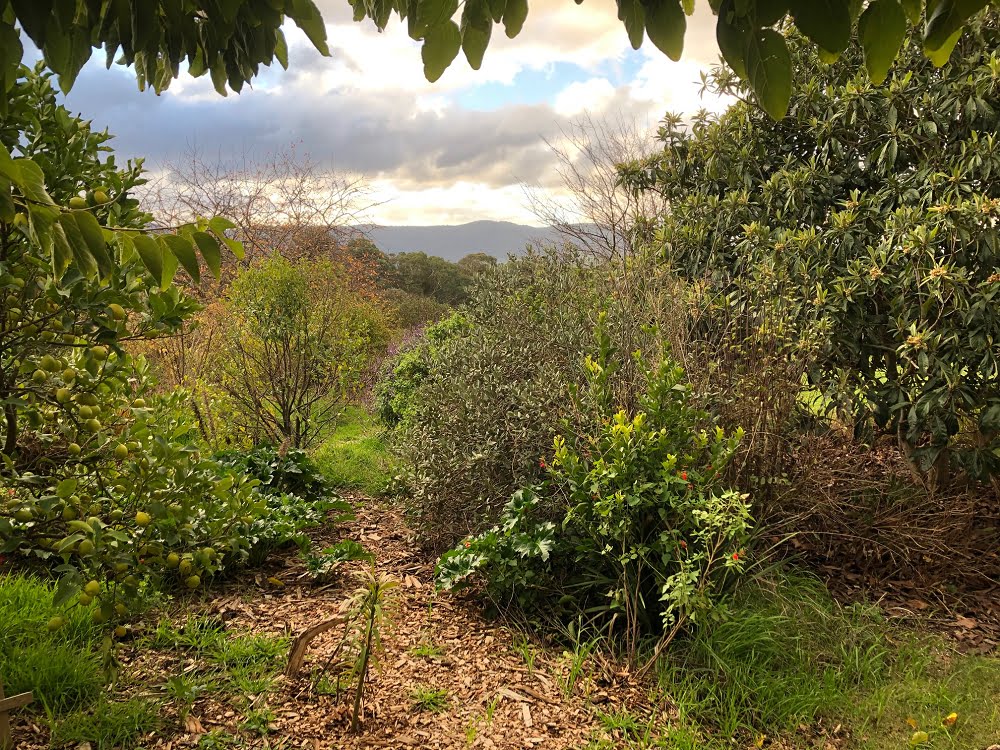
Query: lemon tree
point(97, 483)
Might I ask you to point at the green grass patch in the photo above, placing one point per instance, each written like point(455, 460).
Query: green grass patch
point(355, 457)
point(241, 663)
point(62, 667)
point(786, 654)
point(108, 725)
point(926, 684)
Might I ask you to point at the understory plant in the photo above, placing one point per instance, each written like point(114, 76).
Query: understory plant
point(631, 528)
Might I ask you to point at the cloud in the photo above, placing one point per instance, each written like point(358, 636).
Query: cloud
point(368, 109)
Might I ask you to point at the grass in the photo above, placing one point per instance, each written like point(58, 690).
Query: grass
point(427, 650)
point(62, 668)
point(786, 654)
point(108, 725)
point(245, 664)
point(429, 699)
point(355, 457)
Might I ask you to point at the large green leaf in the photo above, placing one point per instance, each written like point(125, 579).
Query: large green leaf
point(93, 235)
point(78, 245)
point(477, 25)
point(633, 15)
point(732, 41)
point(150, 253)
point(826, 22)
point(170, 262)
point(307, 17)
point(948, 17)
point(769, 71)
point(882, 28)
point(426, 14)
point(209, 251)
point(441, 46)
point(665, 27)
point(514, 16)
point(941, 55)
point(183, 249)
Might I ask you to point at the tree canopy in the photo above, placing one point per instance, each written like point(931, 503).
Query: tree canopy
point(230, 39)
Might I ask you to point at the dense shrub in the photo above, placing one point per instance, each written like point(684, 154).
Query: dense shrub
point(295, 497)
point(874, 207)
point(484, 396)
point(296, 344)
point(630, 526)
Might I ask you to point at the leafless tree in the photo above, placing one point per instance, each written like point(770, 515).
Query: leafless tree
point(598, 214)
point(282, 202)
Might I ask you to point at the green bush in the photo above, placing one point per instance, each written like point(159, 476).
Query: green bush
point(479, 402)
point(874, 208)
point(631, 529)
point(298, 343)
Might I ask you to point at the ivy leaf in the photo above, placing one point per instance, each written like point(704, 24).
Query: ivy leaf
point(882, 28)
point(947, 18)
point(665, 27)
point(514, 16)
point(826, 22)
point(769, 71)
point(632, 14)
point(441, 46)
point(307, 17)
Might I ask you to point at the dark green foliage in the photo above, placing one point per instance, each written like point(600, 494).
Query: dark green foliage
point(292, 472)
point(294, 497)
point(228, 40)
point(867, 217)
point(632, 527)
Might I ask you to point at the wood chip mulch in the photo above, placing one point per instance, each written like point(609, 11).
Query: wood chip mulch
point(494, 700)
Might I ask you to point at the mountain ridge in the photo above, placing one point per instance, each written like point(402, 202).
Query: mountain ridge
point(454, 241)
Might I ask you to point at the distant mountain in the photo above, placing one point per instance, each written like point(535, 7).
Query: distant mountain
point(497, 238)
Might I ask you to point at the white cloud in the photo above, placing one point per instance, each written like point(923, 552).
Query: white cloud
point(369, 109)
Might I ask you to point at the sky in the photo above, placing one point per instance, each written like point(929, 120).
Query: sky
point(454, 151)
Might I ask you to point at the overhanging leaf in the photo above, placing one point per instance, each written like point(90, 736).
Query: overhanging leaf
point(307, 17)
point(826, 22)
point(665, 27)
point(769, 71)
point(441, 46)
point(209, 251)
point(93, 235)
point(183, 249)
point(150, 253)
point(948, 17)
point(882, 28)
point(514, 16)
point(633, 15)
point(477, 25)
